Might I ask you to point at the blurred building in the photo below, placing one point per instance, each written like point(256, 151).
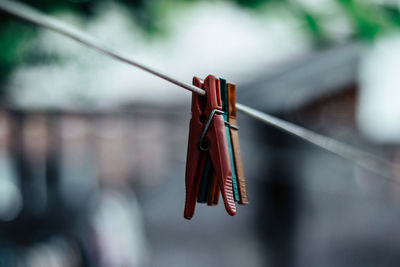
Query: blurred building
point(93, 154)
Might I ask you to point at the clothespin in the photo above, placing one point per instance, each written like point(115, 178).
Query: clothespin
point(225, 109)
point(208, 187)
point(207, 138)
point(209, 191)
point(236, 145)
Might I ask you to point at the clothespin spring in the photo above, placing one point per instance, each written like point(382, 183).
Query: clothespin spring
point(203, 134)
point(232, 126)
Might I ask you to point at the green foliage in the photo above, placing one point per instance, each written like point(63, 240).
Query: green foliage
point(13, 36)
point(251, 3)
point(369, 20)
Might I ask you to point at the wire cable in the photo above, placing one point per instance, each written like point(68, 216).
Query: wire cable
point(361, 158)
point(358, 156)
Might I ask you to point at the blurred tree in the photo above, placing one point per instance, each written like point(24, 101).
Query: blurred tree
point(14, 34)
point(368, 20)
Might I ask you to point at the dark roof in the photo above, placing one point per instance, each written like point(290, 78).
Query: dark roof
point(294, 85)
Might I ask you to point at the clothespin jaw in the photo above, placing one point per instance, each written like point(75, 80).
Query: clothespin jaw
point(207, 137)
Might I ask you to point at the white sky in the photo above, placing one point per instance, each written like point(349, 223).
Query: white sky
point(379, 106)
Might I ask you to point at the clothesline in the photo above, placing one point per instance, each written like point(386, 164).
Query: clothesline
point(358, 156)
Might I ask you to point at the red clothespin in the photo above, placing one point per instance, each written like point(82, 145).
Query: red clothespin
point(207, 137)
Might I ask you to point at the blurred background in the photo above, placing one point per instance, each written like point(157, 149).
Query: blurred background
point(93, 151)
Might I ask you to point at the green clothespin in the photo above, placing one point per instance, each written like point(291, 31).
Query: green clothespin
point(205, 181)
